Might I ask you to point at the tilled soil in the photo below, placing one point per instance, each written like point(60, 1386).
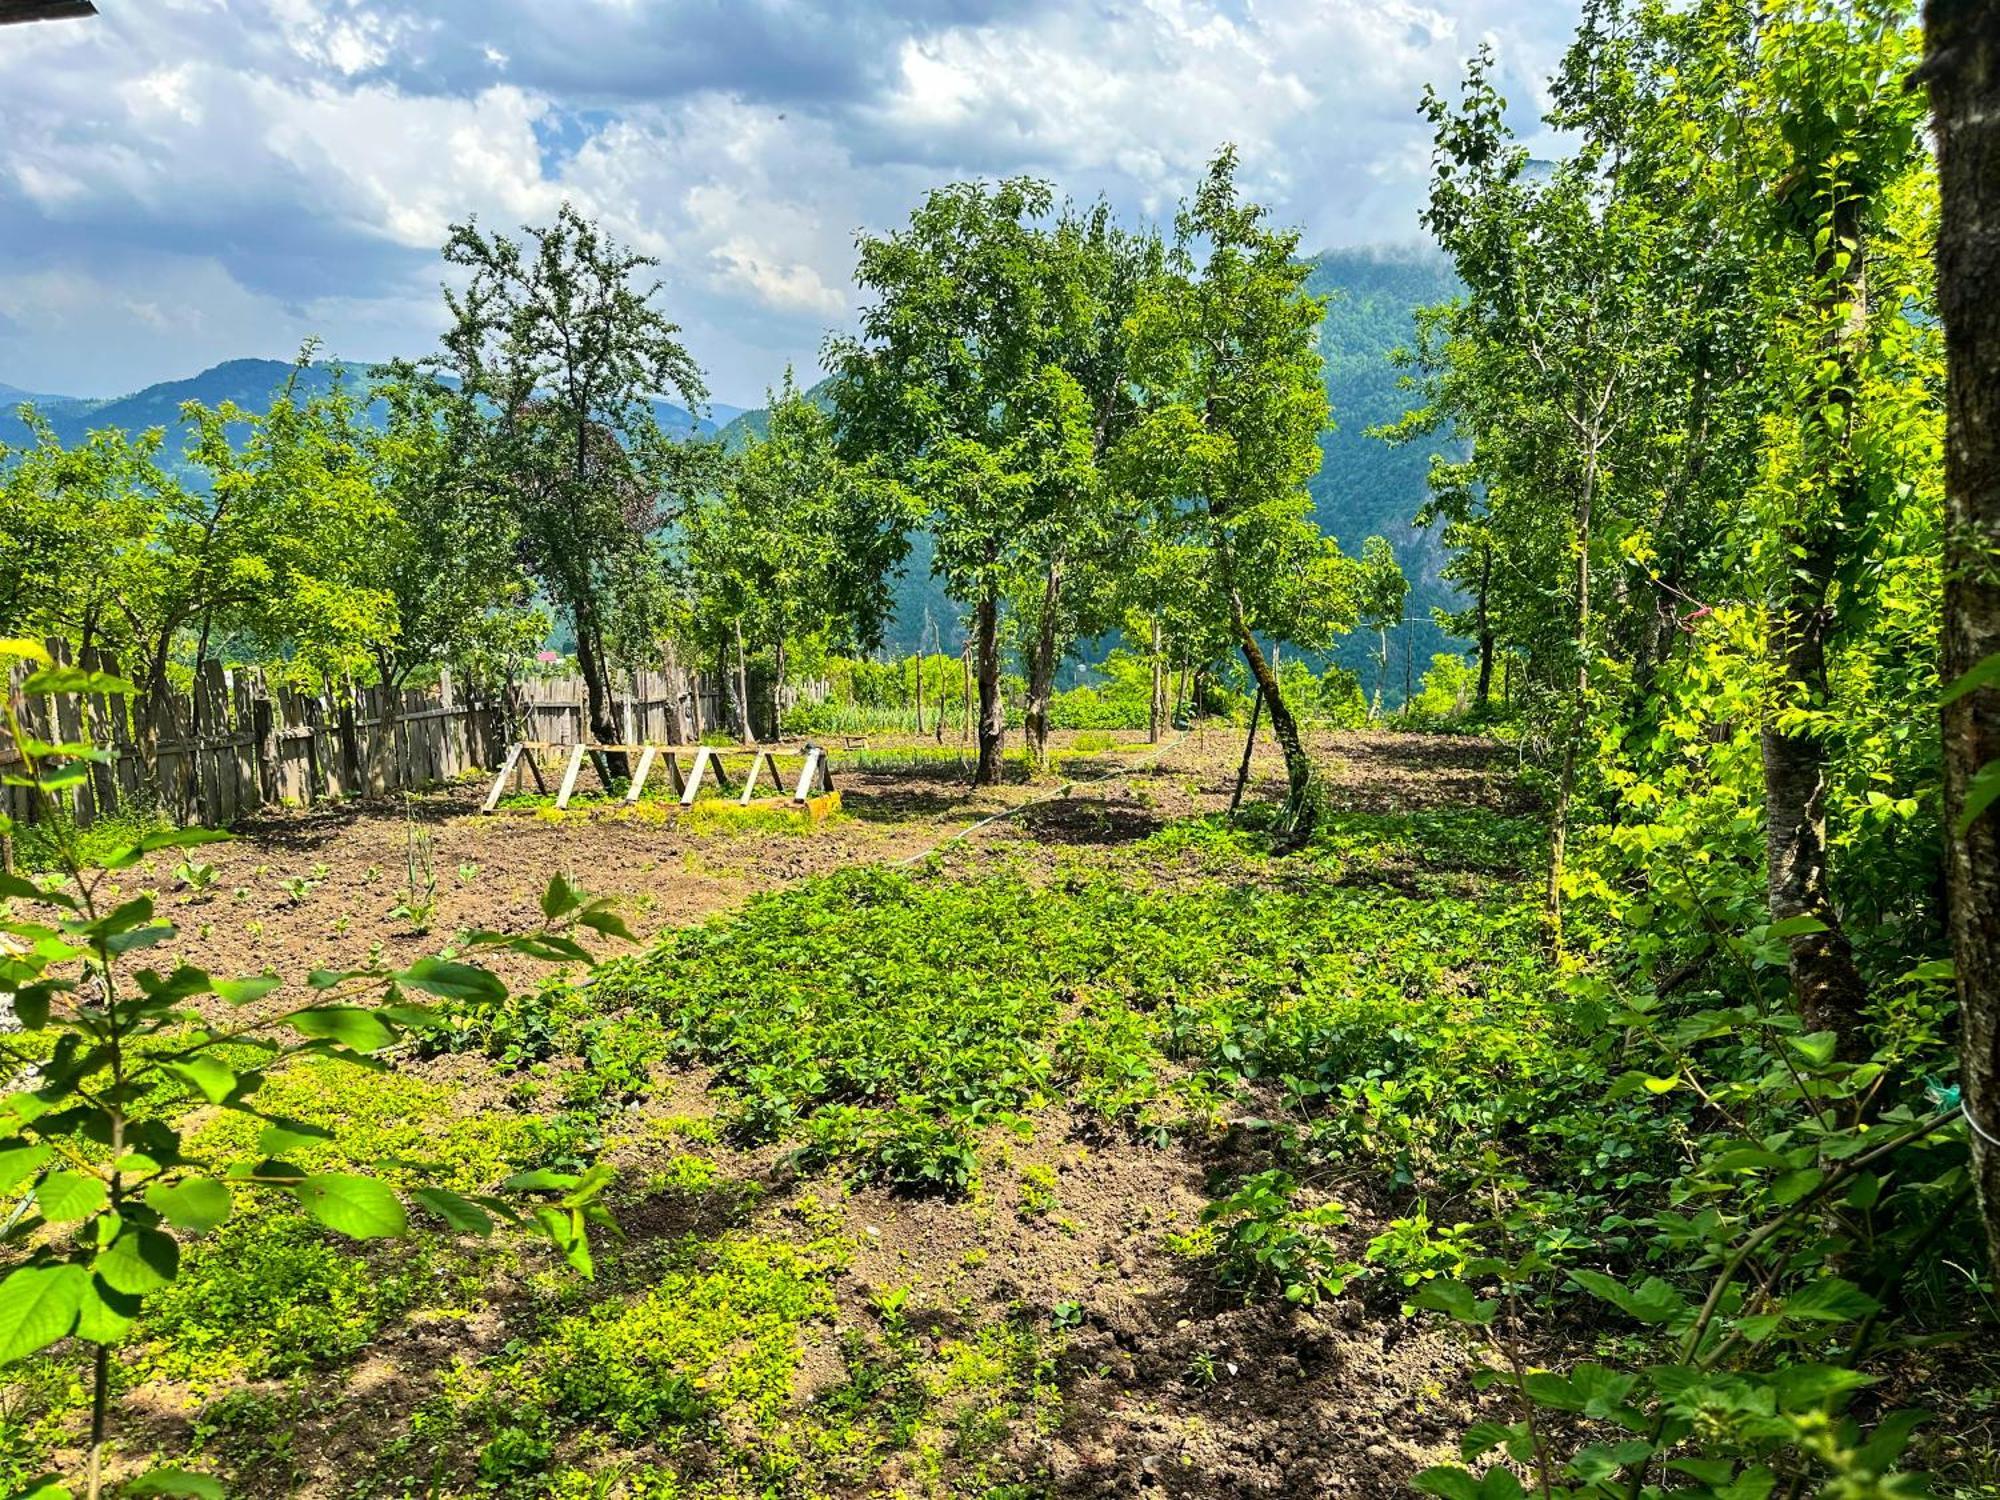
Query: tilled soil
point(1168, 1388)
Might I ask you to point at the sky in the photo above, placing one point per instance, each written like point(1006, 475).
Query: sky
point(186, 181)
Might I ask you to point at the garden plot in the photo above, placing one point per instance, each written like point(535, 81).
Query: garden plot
point(1048, 1167)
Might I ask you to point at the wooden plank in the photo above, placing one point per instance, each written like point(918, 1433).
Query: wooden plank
point(750, 781)
point(499, 782)
point(702, 756)
point(815, 766)
point(639, 774)
point(570, 775)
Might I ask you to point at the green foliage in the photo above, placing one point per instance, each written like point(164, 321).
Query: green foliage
point(1265, 1244)
point(113, 1184)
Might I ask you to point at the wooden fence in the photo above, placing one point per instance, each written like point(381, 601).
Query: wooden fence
point(237, 743)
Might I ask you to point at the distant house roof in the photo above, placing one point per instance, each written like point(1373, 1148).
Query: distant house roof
point(43, 10)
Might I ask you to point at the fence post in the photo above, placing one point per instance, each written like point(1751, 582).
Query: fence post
point(264, 724)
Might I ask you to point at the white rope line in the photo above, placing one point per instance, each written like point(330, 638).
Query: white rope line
point(1975, 1127)
point(1057, 795)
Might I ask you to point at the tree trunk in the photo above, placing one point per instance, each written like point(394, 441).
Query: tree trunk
point(743, 725)
point(1963, 67)
point(778, 688)
point(965, 692)
point(1296, 824)
point(1381, 673)
point(596, 684)
point(1824, 979)
point(1156, 710)
point(920, 685)
point(1483, 698)
point(992, 712)
point(1249, 748)
point(1042, 672)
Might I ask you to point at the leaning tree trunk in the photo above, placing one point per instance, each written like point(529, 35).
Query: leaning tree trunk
point(1824, 978)
point(1298, 821)
point(1963, 66)
point(1042, 673)
point(992, 712)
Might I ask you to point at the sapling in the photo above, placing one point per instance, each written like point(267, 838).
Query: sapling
point(108, 1057)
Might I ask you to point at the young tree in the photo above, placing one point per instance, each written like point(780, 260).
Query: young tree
point(557, 345)
point(446, 555)
point(1962, 66)
point(955, 384)
point(1083, 526)
point(1381, 589)
point(1830, 133)
point(794, 543)
point(1226, 347)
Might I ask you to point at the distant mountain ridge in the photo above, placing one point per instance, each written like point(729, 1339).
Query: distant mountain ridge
point(1364, 487)
point(250, 383)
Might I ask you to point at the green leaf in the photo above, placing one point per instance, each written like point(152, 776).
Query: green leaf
point(66, 1197)
point(216, 1081)
point(539, 1180)
point(1979, 794)
point(359, 1207)
point(46, 1487)
point(1983, 673)
point(38, 1305)
point(1830, 1300)
point(105, 1315)
point(51, 680)
point(461, 1214)
point(607, 922)
point(140, 1260)
point(560, 897)
point(1455, 1300)
point(453, 981)
point(19, 1163)
point(349, 1025)
point(1652, 1301)
point(166, 838)
point(1803, 925)
point(175, 1482)
point(251, 987)
point(1448, 1482)
point(1481, 1438)
point(281, 1133)
point(564, 1229)
point(196, 1205)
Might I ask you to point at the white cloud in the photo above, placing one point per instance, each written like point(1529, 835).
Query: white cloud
point(291, 165)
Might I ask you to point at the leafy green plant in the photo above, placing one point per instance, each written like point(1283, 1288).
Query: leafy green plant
point(420, 898)
point(196, 875)
point(1263, 1244)
point(109, 1185)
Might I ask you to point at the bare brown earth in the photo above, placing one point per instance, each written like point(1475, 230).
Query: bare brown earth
point(1165, 1388)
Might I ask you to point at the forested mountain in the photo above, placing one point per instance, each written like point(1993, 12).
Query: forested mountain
point(1364, 486)
point(247, 382)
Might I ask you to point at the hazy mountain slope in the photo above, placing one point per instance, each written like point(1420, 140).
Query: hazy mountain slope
point(250, 383)
point(1365, 487)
